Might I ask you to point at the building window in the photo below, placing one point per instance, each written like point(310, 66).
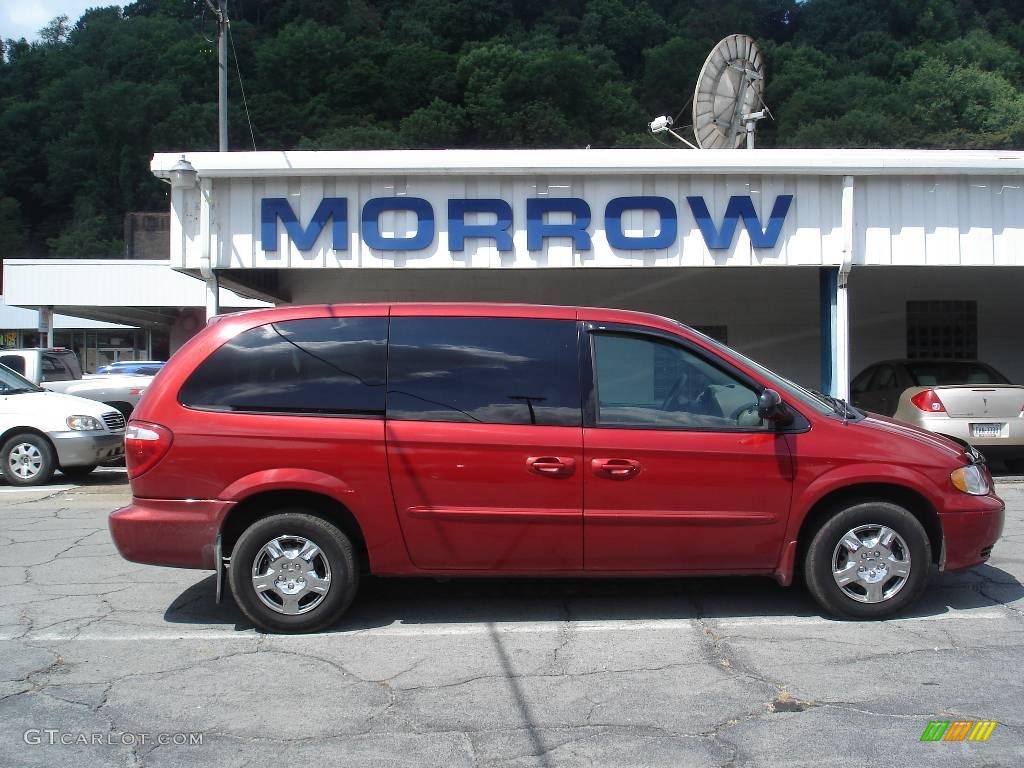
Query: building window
point(946, 330)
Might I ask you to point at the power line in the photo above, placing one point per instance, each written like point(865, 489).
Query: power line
point(241, 86)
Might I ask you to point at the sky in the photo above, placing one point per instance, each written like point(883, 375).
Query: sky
point(24, 18)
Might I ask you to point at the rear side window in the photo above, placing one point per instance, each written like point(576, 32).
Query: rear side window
point(321, 365)
point(489, 370)
point(54, 369)
point(953, 372)
point(14, 362)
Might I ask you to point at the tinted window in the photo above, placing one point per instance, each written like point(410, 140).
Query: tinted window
point(860, 384)
point(323, 365)
point(952, 372)
point(53, 369)
point(14, 362)
point(884, 378)
point(647, 382)
point(492, 370)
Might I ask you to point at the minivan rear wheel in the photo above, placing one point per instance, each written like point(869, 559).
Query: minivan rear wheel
point(293, 572)
point(868, 561)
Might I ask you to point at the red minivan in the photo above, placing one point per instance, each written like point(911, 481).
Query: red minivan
point(293, 449)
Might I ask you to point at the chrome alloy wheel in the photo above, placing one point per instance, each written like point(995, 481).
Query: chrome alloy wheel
point(871, 563)
point(25, 461)
point(291, 575)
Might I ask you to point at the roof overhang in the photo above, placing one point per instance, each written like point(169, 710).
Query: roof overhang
point(523, 162)
point(140, 293)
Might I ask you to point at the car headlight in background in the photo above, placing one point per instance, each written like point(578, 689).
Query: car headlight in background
point(84, 423)
point(971, 479)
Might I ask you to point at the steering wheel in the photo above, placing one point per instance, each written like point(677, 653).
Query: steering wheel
point(735, 415)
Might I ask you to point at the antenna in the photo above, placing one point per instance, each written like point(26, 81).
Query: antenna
point(729, 97)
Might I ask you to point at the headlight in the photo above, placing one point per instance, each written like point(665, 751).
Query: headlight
point(971, 479)
point(84, 423)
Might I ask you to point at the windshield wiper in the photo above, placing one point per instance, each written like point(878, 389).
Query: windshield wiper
point(837, 404)
point(20, 390)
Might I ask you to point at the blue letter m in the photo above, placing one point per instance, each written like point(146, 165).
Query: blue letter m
point(274, 208)
point(740, 206)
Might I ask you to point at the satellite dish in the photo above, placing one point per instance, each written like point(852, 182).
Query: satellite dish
point(729, 98)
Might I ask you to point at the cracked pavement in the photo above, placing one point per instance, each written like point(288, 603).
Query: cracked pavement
point(700, 672)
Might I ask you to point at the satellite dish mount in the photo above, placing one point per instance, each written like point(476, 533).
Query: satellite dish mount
point(729, 97)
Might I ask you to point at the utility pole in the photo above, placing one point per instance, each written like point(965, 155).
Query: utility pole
point(221, 9)
point(222, 66)
point(206, 269)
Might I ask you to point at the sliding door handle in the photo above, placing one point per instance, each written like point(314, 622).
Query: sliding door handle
point(616, 469)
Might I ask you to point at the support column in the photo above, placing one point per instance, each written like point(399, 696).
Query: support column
point(206, 257)
point(835, 308)
point(827, 279)
point(45, 326)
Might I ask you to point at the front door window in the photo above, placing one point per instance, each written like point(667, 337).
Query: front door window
point(646, 382)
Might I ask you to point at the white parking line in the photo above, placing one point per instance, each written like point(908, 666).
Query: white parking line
point(454, 630)
point(42, 489)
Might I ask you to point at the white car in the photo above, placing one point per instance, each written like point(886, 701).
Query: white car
point(57, 370)
point(42, 431)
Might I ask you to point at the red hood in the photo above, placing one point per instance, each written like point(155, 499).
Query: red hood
point(923, 436)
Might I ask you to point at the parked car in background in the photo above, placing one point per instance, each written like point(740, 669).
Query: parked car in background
point(58, 370)
point(967, 400)
point(41, 366)
point(143, 367)
point(42, 431)
point(299, 447)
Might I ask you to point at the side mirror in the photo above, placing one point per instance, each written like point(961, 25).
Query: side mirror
point(771, 408)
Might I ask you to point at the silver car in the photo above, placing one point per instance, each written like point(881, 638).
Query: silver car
point(967, 400)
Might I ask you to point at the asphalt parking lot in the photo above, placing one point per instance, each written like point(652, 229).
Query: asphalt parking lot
point(106, 663)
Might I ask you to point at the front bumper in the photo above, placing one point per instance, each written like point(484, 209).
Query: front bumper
point(969, 533)
point(180, 533)
point(82, 449)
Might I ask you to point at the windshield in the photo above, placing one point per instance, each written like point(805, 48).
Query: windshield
point(785, 386)
point(953, 372)
point(12, 383)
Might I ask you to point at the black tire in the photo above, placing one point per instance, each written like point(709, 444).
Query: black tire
point(77, 473)
point(336, 552)
point(32, 447)
point(825, 545)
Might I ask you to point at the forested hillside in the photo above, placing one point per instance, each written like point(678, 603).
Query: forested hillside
point(83, 109)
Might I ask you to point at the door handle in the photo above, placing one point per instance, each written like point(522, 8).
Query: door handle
point(616, 469)
point(552, 466)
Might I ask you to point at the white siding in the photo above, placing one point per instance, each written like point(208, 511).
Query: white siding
point(939, 221)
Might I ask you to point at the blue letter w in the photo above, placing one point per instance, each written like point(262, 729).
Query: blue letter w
point(740, 206)
point(274, 208)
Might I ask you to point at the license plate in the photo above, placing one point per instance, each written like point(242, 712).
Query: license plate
point(986, 430)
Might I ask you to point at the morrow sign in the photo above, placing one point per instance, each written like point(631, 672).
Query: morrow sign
point(335, 211)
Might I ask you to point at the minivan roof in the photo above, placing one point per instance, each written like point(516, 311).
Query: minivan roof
point(459, 309)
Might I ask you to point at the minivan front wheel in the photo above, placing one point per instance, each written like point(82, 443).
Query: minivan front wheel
point(27, 459)
point(868, 561)
point(293, 572)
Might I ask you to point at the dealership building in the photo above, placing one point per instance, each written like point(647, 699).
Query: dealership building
point(814, 262)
